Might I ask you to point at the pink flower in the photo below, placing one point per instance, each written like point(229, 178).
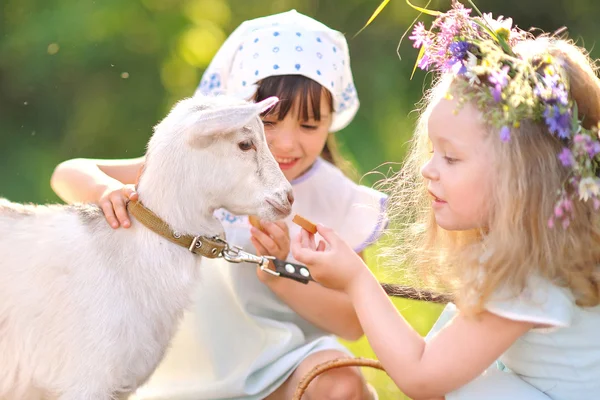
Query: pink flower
point(558, 211)
point(420, 36)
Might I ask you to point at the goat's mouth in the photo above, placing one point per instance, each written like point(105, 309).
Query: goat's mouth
point(279, 208)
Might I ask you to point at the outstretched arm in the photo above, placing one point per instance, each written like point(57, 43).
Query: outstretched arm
point(455, 356)
point(452, 358)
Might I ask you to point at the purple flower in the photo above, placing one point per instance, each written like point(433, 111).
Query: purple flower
point(558, 122)
point(420, 35)
point(558, 93)
point(566, 157)
point(593, 148)
point(505, 134)
point(499, 80)
point(496, 93)
point(425, 61)
point(459, 49)
point(551, 90)
point(586, 145)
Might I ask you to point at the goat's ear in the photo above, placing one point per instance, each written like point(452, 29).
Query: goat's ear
point(266, 104)
point(215, 121)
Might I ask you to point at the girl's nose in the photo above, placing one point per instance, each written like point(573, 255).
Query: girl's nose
point(428, 171)
point(283, 141)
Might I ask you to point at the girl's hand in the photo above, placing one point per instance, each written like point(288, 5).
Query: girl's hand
point(338, 267)
point(272, 240)
point(113, 204)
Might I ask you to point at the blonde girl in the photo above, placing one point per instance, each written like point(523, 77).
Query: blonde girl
point(499, 199)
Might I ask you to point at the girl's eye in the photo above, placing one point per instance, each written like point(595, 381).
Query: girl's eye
point(450, 160)
point(246, 145)
point(310, 127)
point(268, 123)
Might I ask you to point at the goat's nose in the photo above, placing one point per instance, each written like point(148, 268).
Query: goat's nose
point(290, 197)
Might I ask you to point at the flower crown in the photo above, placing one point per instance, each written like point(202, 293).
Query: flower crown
point(479, 50)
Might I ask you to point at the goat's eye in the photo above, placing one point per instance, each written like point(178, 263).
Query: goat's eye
point(246, 145)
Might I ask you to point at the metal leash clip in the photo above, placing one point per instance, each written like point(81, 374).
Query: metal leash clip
point(285, 269)
point(235, 254)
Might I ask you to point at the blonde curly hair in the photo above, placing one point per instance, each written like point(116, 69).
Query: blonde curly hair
point(526, 177)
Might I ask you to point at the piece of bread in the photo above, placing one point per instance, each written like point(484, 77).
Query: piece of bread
point(305, 224)
point(254, 221)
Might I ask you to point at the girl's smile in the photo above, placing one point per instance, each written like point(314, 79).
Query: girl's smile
point(286, 163)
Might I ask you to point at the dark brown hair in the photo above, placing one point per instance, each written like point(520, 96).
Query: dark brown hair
point(291, 89)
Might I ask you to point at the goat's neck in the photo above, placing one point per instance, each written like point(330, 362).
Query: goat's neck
point(191, 216)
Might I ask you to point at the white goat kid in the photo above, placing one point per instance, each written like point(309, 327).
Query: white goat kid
point(86, 311)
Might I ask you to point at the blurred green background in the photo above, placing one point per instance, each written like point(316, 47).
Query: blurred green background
point(89, 78)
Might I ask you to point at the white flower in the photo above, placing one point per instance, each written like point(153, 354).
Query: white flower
point(470, 64)
point(501, 26)
point(589, 187)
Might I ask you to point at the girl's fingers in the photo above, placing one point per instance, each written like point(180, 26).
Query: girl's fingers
point(328, 234)
point(304, 239)
point(322, 246)
point(129, 192)
point(311, 242)
point(278, 233)
point(307, 240)
point(303, 255)
point(281, 223)
point(265, 240)
point(107, 208)
point(121, 212)
point(260, 250)
point(296, 242)
point(313, 245)
point(305, 252)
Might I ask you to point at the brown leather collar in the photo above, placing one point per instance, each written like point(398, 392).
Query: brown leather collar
point(202, 245)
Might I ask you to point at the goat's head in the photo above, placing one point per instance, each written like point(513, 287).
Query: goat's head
point(213, 150)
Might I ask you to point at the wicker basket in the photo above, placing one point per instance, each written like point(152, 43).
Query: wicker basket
point(326, 366)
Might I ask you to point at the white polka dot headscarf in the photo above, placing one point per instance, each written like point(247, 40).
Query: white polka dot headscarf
point(289, 43)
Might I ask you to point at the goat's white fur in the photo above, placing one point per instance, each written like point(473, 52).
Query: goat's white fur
point(86, 311)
